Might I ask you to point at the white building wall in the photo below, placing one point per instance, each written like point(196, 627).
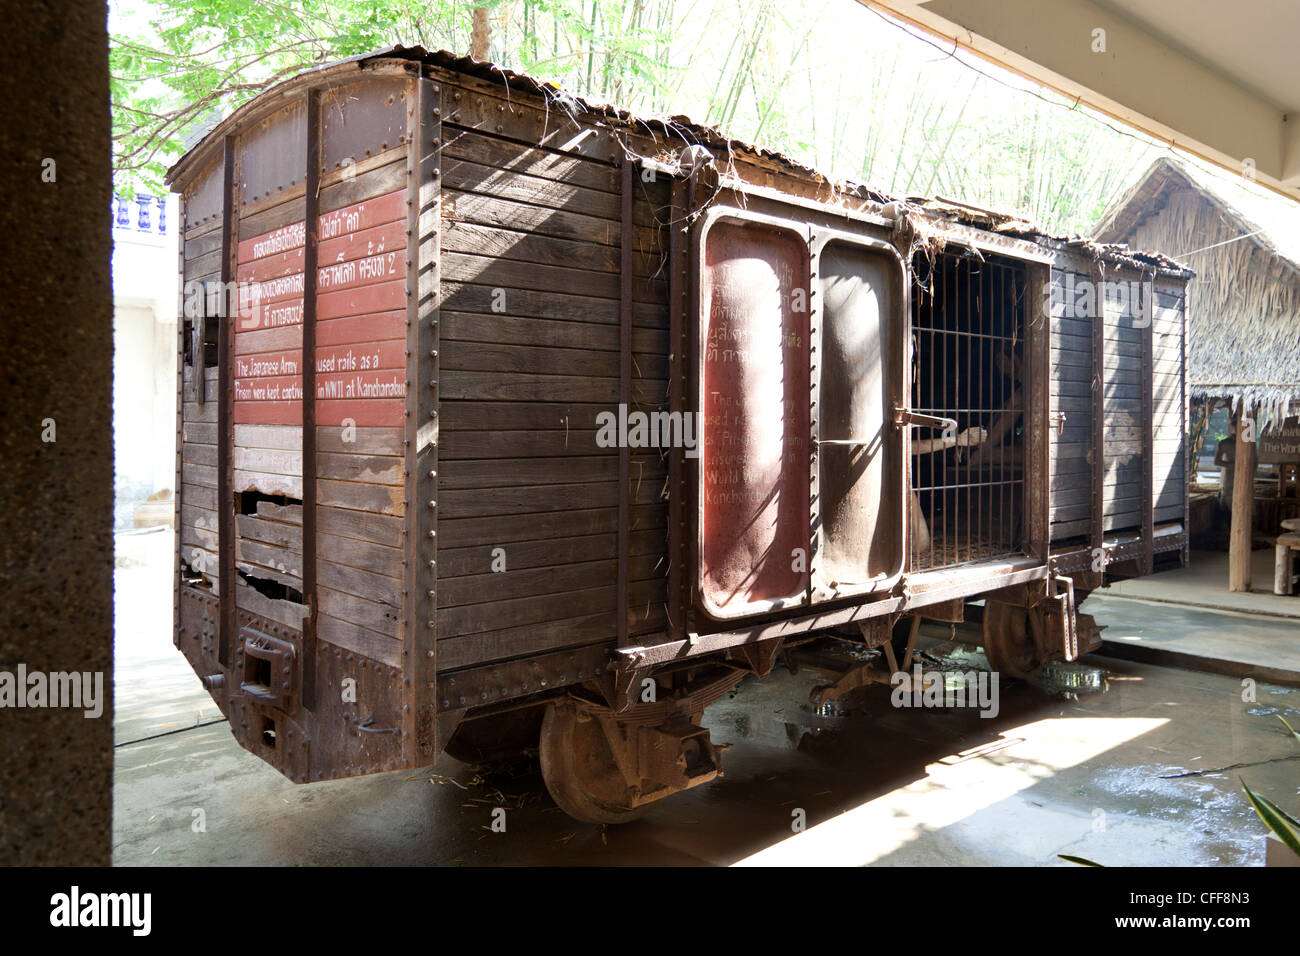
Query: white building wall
point(144, 351)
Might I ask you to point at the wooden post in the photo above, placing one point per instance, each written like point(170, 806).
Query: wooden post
point(1243, 508)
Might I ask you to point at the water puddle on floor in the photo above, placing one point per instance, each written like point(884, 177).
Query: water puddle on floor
point(1069, 679)
point(1063, 679)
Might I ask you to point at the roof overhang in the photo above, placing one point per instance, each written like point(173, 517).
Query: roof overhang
point(1220, 81)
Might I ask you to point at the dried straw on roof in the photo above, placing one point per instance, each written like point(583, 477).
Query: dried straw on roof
point(1244, 304)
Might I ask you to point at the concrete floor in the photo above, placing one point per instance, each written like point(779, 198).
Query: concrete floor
point(1204, 583)
point(1122, 762)
point(1180, 635)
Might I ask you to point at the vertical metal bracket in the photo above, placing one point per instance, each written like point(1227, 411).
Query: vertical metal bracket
point(421, 729)
point(225, 410)
point(311, 239)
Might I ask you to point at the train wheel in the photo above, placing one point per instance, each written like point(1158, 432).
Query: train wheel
point(579, 769)
point(1009, 641)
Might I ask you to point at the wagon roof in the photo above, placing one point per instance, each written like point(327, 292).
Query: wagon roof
point(676, 132)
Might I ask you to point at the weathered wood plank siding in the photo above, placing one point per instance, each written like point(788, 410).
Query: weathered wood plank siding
point(1121, 398)
point(1122, 426)
point(530, 357)
point(1169, 406)
point(1071, 394)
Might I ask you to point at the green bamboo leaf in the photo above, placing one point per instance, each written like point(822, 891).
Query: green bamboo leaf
point(1081, 860)
point(1279, 821)
point(1289, 727)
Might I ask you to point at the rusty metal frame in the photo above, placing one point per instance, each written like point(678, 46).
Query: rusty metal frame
point(692, 354)
point(697, 645)
point(816, 353)
point(710, 217)
point(225, 406)
point(420, 728)
point(311, 240)
point(815, 237)
point(178, 546)
point(900, 396)
point(491, 684)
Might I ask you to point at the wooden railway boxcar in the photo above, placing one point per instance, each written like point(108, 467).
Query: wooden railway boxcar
point(509, 420)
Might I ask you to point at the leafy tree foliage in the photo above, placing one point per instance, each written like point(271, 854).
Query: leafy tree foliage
point(830, 82)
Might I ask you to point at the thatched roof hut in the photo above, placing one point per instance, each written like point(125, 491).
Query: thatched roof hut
point(1244, 304)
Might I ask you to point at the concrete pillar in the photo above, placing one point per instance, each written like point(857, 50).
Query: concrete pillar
point(56, 433)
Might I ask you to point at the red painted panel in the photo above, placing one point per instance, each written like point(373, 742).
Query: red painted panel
point(268, 364)
point(287, 388)
point(382, 297)
point(268, 413)
point(280, 264)
point(363, 215)
point(339, 223)
point(362, 328)
point(363, 357)
point(754, 451)
point(271, 290)
point(368, 242)
point(268, 340)
point(359, 272)
point(366, 412)
point(385, 383)
point(389, 239)
point(271, 315)
point(269, 243)
point(361, 319)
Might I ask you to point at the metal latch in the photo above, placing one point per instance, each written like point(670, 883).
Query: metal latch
point(1058, 419)
point(904, 417)
point(843, 441)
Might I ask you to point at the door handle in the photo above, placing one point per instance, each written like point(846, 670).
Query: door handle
point(904, 417)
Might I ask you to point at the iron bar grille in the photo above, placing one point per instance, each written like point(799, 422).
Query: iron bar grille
point(968, 325)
